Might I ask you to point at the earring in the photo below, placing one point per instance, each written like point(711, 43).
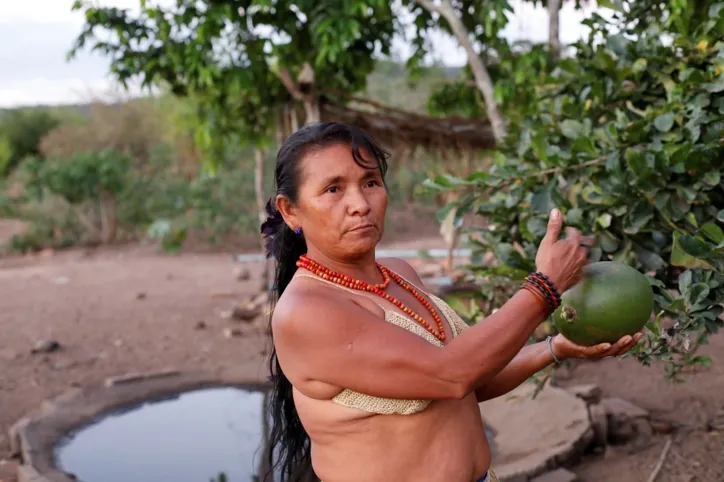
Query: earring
point(298, 231)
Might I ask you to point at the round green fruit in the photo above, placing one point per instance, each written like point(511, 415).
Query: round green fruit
point(612, 300)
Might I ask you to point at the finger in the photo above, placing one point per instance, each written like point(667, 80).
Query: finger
point(634, 341)
point(555, 223)
point(596, 351)
point(588, 241)
point(573, 235)
point(620, 345)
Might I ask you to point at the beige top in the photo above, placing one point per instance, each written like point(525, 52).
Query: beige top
point(368, 403)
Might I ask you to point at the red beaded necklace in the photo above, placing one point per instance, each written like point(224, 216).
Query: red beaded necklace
point(343, 280)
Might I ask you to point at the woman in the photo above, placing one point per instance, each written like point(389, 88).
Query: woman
point(374, 378)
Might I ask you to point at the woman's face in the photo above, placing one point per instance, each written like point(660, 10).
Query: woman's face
point(341, 205)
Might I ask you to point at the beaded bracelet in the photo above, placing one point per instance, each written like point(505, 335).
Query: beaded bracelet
point(542, 285)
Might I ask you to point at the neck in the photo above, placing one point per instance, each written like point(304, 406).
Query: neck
point(363, 268)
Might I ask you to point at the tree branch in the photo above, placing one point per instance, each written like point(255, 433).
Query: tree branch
point(290, 84)
point(482, 78)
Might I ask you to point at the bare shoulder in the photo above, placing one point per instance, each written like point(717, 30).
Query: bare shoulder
point(403, 268)
point(307, 308)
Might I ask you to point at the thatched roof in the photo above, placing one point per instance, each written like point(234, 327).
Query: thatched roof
point(399, 128)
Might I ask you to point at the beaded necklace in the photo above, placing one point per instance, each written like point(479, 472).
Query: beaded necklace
point(378, 289)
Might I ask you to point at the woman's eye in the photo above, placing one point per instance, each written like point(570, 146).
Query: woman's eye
point(372, 183)
point(332, 189)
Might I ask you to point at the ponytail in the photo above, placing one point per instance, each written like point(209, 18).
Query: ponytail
point(287, 433)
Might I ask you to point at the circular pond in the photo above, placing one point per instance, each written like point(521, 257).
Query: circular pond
point(195, 436)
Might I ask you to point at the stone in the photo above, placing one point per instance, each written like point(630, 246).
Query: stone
point(717, 422)
point(232, 332)
point(661, 426)
point(241, 273)
point(626, 421)
point(141, 296)
point(589, 393)
point(558, 475)
point(200, 325)
point(533, 436)
point(45, 346)
point(599, 422)
point(619, 408)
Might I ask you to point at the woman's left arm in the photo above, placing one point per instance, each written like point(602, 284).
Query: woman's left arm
point(533, 358)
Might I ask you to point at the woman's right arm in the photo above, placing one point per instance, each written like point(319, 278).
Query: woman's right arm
point(335, 341)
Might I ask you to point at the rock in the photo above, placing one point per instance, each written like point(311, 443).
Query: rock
point(661, 426)
point(533, 436)
point(141, 296)
point(623, 409)
point(589, 393)
point(599, 422)
point(626, 421)
point(232, 332)
point(200, 325)
point(558, 475)
point(242, 273)
point(45, 346)
point(716, 423)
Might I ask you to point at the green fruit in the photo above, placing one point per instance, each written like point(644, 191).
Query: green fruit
point(611, 301)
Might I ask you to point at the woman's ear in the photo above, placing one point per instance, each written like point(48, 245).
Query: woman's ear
point(285, 207)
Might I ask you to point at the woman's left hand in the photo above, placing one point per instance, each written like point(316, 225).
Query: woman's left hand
point(565, 348)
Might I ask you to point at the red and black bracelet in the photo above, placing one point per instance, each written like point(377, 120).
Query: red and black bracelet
point(540, 283)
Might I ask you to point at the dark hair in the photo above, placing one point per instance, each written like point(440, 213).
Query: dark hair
point(288, 439)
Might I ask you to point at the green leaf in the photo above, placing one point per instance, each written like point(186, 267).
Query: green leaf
point(664, 122)
point(640, 65)
point(640, 215)
point(684, 282)
point(715, 10)
point(693, 246)
point(720, 216)
point(717, 86)
point(712, 232)
point(572, 129)
point(537, 226)
point(682, 259)
point(712, 178)
point(697, 293)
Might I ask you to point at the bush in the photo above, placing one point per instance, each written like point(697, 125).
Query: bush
point(625, 139)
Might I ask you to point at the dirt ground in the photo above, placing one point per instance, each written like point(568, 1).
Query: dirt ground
point(122, 309)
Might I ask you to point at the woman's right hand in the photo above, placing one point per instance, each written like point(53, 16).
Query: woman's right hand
point(562, 260)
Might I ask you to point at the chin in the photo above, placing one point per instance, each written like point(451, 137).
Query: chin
point(364, 244)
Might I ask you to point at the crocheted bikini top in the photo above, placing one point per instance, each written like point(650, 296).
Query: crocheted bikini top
point(386, 406)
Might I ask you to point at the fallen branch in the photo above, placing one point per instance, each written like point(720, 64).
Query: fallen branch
point(661, 461)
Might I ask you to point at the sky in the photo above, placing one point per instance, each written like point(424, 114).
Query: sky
point(35, 36)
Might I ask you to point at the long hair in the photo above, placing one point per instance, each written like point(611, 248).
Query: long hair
point(290, 451)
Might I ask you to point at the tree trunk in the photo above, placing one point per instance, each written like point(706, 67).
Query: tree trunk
point(554, 41)
point(109, 220)
point(311, 109)
point(304, 90)
point(482, 78)
point(260, 204)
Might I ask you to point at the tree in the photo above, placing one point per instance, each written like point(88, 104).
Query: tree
point(23, 130)
point(474, 14)
point(624, 138)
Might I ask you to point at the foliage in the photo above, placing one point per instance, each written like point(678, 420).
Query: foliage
point(228, 56)
point(625, 139)
point(134, 128)
point(23, 129)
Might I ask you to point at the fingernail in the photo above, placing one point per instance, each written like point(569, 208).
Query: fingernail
point(555, 214)
point(606, 346)
point(628, 339)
